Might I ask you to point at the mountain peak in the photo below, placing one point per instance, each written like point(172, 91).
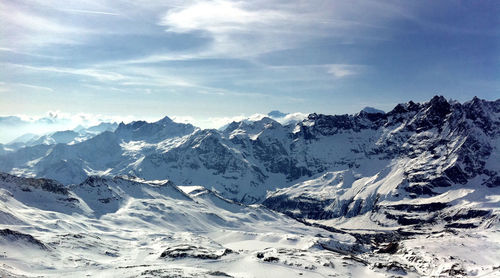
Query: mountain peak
point(371, 110)
point(276, 114)
point(265, 120)
point(439, 106)
point(438, 100)
point(153, 132)
point(165, 120)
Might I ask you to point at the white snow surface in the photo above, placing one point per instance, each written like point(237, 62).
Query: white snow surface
point(121, 227)
point(127, 227)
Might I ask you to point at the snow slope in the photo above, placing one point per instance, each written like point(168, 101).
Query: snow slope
point(129, 227)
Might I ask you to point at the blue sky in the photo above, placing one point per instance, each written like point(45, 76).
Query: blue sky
point(206, 61)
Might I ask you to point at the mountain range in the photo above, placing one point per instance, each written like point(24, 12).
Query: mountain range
point(419, 169)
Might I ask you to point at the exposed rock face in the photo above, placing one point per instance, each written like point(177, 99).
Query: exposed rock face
point(15, 236)
point(434, 148)
point(27, 184)
point(193, 251)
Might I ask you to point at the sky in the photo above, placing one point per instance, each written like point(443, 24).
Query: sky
point(211, 61)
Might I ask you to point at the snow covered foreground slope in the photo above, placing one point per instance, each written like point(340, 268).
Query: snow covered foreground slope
point(128, 227)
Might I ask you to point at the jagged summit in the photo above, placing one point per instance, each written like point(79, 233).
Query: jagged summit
point(153, 132)
point(371, 110)
point(165, 121)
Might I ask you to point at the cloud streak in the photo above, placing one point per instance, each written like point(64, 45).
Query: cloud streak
point(13, 87)
point(342, 70)
point(98, 74)
point(89, 12)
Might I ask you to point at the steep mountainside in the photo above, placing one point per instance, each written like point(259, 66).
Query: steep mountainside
point(437, 157)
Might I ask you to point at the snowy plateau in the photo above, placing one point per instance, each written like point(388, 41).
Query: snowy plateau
point(414, 192)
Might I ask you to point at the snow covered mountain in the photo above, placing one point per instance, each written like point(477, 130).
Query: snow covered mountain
point(374, 187)
point(17, 129)
point(246, 160)
point(371, 110)
point(77, 135)
point(417, 164)
point(439, 143)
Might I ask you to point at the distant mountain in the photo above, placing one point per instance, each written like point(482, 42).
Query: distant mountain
point(152, 132)
point(12, 126)
point(58, 137)
point(79, 134)
point(2, 149)
point(25, 138)
point(16, 130)
point(11, 121)
point(101, 127)
point(276, 114)
point(371, 110)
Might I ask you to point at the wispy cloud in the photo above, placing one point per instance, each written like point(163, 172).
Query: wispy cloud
point(98, 74)
point(24, 27)
point(89, 12)
point(33, 22)
point(15, 51)
point(139, 79)
point(246, 29)
point(342, 70)
point(35, 87)
point(14, 87)
point(336, 70)
point(170, 57)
